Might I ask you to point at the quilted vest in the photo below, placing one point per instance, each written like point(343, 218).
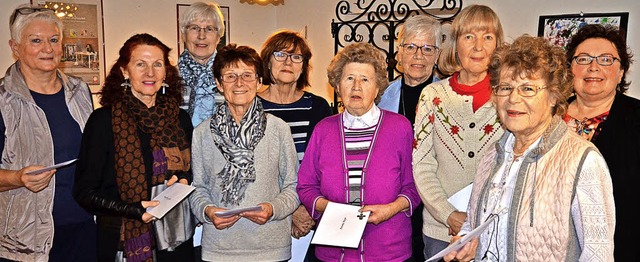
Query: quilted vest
point(540, 223)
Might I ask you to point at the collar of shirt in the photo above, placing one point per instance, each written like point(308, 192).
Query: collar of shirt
point(368, 119)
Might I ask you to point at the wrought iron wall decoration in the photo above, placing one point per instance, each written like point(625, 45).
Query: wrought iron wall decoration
point(377, 21)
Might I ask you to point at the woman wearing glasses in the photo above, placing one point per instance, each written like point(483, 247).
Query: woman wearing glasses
point(455, 124)
point(601, 113)
point(419, 42)
point(43, 114)
point(201, 28)
point(547, 189)
point(243, 157)
point(286, 57)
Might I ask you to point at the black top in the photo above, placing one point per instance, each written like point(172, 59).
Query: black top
point(619, 143)
point(409, 96)
point(96, 173)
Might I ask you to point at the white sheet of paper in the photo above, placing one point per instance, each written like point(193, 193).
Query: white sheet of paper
point(341, 225)
point(460, 199)
point(233, 212)
point(35, 172)
point(300, 246)
point(169, 198)
point(463, 240)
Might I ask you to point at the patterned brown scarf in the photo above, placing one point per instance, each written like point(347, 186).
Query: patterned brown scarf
point(171, 154)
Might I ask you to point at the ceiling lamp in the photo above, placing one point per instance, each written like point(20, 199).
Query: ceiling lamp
point(263, 2)
point(62, 9)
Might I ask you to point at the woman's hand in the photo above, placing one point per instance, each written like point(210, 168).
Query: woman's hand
point(259, 217)
point(381, 213)
point(174, 178)
point(220, 222)
point(301, 222)
point(466, 253)
point(455, 221)
point(146, 217)
point(35, 183)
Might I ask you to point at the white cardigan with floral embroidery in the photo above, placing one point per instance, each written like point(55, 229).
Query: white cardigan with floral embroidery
point(450, 140)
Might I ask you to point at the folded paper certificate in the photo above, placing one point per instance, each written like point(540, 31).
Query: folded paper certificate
point(233, 212)
point(463, 240)
point(341, 225)
point(169, 198)
point(35, 172)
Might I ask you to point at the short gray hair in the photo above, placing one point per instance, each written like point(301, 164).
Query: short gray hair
point(201, 11)
point(20, 21)
point(418, 25)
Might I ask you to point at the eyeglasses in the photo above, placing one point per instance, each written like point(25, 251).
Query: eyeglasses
point(526, 90)
point(26, 11)
point(195, 29)
point(603, 60)
point(233, 77)
point(428, 50)
point(282, 56)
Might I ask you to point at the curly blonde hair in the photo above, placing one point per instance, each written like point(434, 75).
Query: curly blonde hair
point(363, 53)
point(533, 58)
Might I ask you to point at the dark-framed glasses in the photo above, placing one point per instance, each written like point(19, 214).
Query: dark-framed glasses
point(195, 29)
point(233, 77)
point(428, 50)
point(525, 90)
point(282, 56)
point(603, 60)
point(26, 11)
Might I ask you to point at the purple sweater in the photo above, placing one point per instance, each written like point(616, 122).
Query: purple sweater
point(323, 173)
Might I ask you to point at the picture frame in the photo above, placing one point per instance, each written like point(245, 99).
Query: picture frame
point(223, 41)
point(82, 41)
point(558, 29)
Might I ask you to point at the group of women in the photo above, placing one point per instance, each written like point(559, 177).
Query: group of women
point(545, 167)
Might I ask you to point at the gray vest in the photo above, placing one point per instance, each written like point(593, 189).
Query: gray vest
point(28, 142)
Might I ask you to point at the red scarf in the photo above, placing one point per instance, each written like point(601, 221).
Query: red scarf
point(481, 91)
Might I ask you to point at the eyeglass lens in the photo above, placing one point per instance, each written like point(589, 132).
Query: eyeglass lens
point(282, 56)
point(26, 11)
point(603, 60)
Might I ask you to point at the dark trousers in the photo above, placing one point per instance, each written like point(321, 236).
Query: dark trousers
point(74, 242)
point(417, 244)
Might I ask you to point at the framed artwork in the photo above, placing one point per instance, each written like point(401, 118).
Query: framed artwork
point(558, 29)
point(223, 41)
point(82, 40)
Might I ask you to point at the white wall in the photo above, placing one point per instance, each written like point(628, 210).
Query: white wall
point(251, 24)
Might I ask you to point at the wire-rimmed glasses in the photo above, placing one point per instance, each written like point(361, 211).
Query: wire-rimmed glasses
point(233, 77)
point(428, 50)
point(603, 60)
point(26, 11)
point(196, 29)
point(524, 90)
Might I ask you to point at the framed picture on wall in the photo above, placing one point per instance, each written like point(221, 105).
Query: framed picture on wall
point(223, 41)
point(558, 29)
point(83, 39)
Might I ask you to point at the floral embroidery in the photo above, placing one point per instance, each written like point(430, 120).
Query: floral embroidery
point(455, 130)
point(431, 118)
point(488, 128)
point(436, 101)
point(415, 143)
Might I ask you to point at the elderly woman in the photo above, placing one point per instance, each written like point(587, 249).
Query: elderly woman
point(243, 157)
point(603, 114)
point(286, 56)
point(455, 124)
point(201, 28)
point(43, 115)
point(362, 157)
point(549, 188)
point(126, 147)
point(419, 41)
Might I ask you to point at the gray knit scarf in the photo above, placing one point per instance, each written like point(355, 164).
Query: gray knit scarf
point(236, 144)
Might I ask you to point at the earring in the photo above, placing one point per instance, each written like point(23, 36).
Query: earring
point(164, 85)
point(125, 85)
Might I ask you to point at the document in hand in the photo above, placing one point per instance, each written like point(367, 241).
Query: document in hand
point(169, 198)
point(65, 163)
point(464, 240)
point(341, 225)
